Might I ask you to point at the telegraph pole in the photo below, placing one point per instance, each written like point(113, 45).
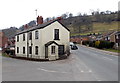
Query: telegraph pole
point(36, 12)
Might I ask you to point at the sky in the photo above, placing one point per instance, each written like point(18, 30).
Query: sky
point(19, 12)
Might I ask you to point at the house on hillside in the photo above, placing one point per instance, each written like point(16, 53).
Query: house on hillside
point(113, 37)
point(79, 38)
point(48, 40)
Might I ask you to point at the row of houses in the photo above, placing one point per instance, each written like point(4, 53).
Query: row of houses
point(113, 36)
point(49, 40)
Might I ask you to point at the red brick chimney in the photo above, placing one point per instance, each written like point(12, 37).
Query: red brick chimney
point(39, 20)
point(26, 26)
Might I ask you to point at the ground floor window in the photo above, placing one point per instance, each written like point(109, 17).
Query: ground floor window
point(23, 50)
point(53, 50)
point(61, 49)
point(17, 49)
point(36, 50)
point(30, 49)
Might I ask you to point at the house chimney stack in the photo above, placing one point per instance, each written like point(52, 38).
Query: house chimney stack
point(39, 20)
point(25, 26)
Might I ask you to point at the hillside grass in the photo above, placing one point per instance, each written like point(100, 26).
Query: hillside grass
point(100, 28)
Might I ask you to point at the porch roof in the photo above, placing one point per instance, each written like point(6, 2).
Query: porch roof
point(50, 42)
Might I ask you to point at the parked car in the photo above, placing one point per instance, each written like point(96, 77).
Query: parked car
point(73, 46)
point(0, 49)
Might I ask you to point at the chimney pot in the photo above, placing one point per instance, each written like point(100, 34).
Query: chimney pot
point(39, 20)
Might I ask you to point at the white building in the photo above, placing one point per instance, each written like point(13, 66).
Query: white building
point(49, 40)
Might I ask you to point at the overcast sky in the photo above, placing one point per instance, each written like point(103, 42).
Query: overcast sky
point(20, 12)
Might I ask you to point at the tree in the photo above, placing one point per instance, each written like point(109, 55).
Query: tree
point(64, 16)
point(70, 15)
point(79, 14)
point(47, 19)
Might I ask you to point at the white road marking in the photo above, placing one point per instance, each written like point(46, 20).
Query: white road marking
point(107, 58)
point(82, 71)
point(90, 71)
point(50, 70)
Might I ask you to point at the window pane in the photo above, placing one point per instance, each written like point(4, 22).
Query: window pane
point(56, 33)
point(18, 38)
point(23, 50)
point(53, 50)
point(36, 34)
point(36, 50)
point(17, 49)
point(23, 37)
point(30, 36)
point(30, 50)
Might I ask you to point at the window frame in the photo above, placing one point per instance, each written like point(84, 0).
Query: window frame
point(17, 38)
point(24, 37)
point(36, 50)
point(17, 49)
point(30, 49)
point(30, 35)
point(52, 49)
point(36, 34)
point(56, 34)
point(23, 50)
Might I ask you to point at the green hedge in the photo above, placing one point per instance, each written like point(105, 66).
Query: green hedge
point(99, 44)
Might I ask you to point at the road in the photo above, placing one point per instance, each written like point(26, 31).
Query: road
point(84, 64)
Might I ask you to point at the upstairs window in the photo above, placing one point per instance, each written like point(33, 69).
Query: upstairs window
point(36, 34)
point(23, 37)
point(36, 50)
point(56, 34)
point(30, 36)
point(18, 38)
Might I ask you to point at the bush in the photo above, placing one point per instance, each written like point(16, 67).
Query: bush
point(92, 43)
point(112, 44)
point(97, 44)
point(105, 44)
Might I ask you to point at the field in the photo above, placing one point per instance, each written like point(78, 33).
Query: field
point(100, 28)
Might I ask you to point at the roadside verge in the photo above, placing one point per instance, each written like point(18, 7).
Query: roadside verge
point(107, 52)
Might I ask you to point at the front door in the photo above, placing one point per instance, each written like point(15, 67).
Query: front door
point(61, 49)
point(30, 52)
point(46, 52)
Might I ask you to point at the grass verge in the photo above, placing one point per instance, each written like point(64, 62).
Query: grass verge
point(112, 50)
point(5, 55)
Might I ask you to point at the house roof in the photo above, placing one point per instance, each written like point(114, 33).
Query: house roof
point(41, 26)
point(49, 43)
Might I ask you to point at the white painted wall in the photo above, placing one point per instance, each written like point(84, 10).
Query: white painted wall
point(48, 35)
point(45, 35)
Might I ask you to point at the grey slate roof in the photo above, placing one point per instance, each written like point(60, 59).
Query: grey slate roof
point(40, 26)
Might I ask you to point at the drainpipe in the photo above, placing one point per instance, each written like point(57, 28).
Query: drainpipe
point(27, 46)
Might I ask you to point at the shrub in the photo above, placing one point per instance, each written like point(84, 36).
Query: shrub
point(112, 44)
point(97, 44)
point(92, 43)
point(105, 44)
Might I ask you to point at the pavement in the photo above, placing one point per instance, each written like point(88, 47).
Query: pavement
point(103, 51)
point(84, 64)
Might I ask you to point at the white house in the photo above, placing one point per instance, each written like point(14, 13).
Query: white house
point(49, 40)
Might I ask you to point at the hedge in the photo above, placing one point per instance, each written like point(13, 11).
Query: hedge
point(99, 44)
